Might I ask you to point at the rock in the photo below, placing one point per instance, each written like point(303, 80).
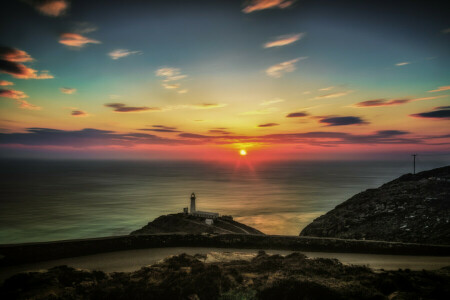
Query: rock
point(411, 208)
point(184, 223)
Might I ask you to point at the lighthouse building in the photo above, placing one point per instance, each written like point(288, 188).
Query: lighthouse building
point(203, 214)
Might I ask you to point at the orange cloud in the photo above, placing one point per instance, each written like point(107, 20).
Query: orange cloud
point(284, 40)
point(52, 8)
point(10, 59)
point(76, 40)
point(255, 5)
point(18, 96)
point(5, 83)
point(440, 89)
point(13, 94)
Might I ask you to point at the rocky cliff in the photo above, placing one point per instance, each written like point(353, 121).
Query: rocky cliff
point(183, 223)
point(411, 208)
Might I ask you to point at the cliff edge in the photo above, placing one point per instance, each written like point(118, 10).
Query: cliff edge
point(411, 208)
point(184, 223)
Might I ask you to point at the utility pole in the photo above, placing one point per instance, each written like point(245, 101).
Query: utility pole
point(414, 164)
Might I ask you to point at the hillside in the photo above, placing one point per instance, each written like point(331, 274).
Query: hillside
point(182, 223)
point(411, 208)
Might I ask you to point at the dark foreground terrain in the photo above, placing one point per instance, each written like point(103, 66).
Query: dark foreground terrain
point(264, 277)
point(184, 223)
point(410, 209)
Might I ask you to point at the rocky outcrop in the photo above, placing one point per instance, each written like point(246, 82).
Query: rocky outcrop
point(411, 208)
point(184, 223)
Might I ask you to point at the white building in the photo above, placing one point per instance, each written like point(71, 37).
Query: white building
point(203, 214)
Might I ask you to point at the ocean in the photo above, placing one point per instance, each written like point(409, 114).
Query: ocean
point(45, 200)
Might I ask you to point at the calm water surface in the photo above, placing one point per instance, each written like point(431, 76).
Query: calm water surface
point(53, 200)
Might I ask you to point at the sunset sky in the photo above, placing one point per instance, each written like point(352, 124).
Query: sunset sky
point(170, 79)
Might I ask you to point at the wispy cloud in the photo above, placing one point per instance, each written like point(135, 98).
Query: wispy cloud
point(161, 128)
point(79, 113)
point(120, 107)
point(68, 91)
point(120, 53)
point(264, 111)
point(52, 8)
point(171, 74)
point(440, 89)
point(299, 114)
point(18, 96)
point(333, 95)
point(342, 121)
point(284, 40)
point(5, 83)
point(404, 63)
point(278, 70)
point(219, 131)
point(11, 63)
point(442, 112)
point(268, 125)
point(254, 5)
point(272, 101)
point(385, 102)
point(76, 40)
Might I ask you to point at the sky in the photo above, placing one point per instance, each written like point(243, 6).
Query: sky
point(281, 79)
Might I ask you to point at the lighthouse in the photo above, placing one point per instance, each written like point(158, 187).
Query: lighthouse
point(192, 203)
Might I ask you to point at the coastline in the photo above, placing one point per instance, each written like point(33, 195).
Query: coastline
point(16, 254)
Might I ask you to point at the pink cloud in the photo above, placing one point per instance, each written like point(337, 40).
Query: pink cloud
point(76, 40)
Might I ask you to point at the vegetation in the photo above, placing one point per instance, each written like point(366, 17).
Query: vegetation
point(264, 277)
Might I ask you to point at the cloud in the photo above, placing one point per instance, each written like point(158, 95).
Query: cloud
point(10, 63)
point(18, 96)
point(272, 101)
point(170, 86)
point(442, 112)
point(14, 55)
point(404, 63)
point(119, 53)
point(96, 137)
point(13, 94)
point(297, 114)
point(255, 5)
point(76, 40)
point(52, 8)
point(278, 70)
point(284, 40)
point(161, 128)
point(68, 91)
point(333, 95)
point(342, 121)
point(219, 131)
point(268, 125)
point(327, 88)
point(384, 102)
point(79, 113)
point(171, 74)
point(264, 111)
point(5, 83)
point(120, 107)
point(87, 137)
point(440, 89)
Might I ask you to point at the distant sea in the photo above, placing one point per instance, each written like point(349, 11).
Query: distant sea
point(44, 200)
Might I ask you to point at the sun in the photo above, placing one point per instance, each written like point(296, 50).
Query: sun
point(242, 152)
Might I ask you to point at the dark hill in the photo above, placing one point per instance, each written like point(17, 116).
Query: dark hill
point(182, 223)
point(411, 208)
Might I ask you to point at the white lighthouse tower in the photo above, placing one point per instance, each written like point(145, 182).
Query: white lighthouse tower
point(192, 203)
